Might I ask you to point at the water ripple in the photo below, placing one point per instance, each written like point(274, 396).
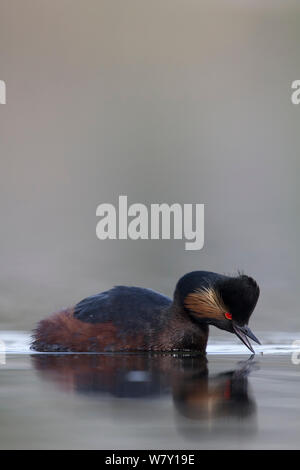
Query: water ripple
point(18, 342)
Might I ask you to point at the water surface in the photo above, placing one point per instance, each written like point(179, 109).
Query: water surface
point(158, 401)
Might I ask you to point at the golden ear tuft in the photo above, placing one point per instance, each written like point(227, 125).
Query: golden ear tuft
point(207, 302)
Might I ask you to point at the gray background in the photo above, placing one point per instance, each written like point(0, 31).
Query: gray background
point(166, 101)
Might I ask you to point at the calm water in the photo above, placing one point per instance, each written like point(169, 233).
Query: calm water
point(128, 401)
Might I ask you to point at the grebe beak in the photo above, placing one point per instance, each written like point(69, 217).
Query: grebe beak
point(243, 332)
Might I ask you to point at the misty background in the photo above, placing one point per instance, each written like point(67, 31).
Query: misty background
point(175, 101)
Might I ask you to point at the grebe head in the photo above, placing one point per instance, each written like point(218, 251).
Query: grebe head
point(223, 301)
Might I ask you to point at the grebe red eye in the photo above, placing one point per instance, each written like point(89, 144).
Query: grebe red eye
point(228, 315)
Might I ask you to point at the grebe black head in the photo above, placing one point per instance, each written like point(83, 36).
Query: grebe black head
point(223, 301)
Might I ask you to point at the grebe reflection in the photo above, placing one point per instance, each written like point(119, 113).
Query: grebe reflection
point(197, 395)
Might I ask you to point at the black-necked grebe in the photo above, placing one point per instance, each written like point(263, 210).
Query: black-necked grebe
point(138, 319)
